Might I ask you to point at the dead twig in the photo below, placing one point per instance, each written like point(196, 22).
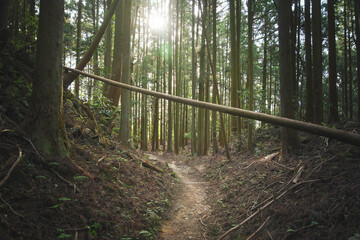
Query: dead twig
point(262, 208)
point(269, 235)
point(150, 166)
point(259, 228)
point(83, 171)
point(281, 165)
point(100, 160)
point(18, 214)
point(201, 220)
point(263, 159)
point(320, 164)
point(37, 152)
point(11, 169)
point(301, 168)
point(67, 181)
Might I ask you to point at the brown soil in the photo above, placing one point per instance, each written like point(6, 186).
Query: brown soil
point(189, 205)
point(316, 190)
point(103, 191)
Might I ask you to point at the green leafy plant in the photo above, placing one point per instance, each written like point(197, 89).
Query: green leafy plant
point(80, 177)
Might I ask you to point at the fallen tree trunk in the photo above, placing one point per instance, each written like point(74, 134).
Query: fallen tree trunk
point(341, 135)
point(70, 76)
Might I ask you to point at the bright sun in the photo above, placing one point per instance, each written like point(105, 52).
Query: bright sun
point(157, 23)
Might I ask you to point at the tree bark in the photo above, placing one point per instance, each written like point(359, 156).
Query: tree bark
point(177, 81)
point(250, 71)
point(214, 114)
point(345, 72)
point(78, 41)
point(333, 101)
point(193, 80)
point(357, 43)
point(170, 127)
point(45, 123)
point(125, 95)
point(108, 50)
point(264, 72)
point(201, 115)
point(288, 136)
point(309, 112)
point(113, 93)
point(317, 63)
point(234, 65)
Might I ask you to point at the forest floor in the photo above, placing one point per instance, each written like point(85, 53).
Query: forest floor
point(108, 191)
point(314, 193)
point(189, 204)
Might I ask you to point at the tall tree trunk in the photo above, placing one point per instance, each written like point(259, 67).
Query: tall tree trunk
point(264, 72)
point(155, 137)
point(125, 95)
point(193, 79)
point(288, 136)
point(144, 84)
point(308, 71)
point(108, 51)
point(357, 43)
point(216, 95)
point(345, 79)
point(350, 69)
point(78, 41)
point(333, 101)
point(238, 68)
point(70, 76)
point(214, 114)
point(200, 143)
point(250, 71)
point(113, 92)
point(294, 83)
point(317, 63)
point(45, 123)
point(170, 134)
point(177, 80)
point(234, 64)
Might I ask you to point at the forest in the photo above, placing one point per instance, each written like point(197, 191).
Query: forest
point(180, 119)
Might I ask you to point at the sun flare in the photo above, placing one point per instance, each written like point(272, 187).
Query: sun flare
point(157, 22)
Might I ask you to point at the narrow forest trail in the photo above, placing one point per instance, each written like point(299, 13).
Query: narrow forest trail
point(189, 205)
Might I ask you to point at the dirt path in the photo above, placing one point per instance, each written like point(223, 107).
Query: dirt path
point(189, 206)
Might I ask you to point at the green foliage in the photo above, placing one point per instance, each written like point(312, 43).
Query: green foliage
point(93, 228)
point(144, 234)
point(80, 177)
point(356, 236)
point(64, 235)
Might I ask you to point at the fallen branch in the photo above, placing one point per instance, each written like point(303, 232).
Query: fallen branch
point(37, 152)
point(259, 228)
point(294, 177)
point(100, 160)
point(264, 159)
point(150, 166)
point(281, 165)
point(18, 214)
point(68, 182)
point(269, 235)
point(83, 171)
point(11, 169)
